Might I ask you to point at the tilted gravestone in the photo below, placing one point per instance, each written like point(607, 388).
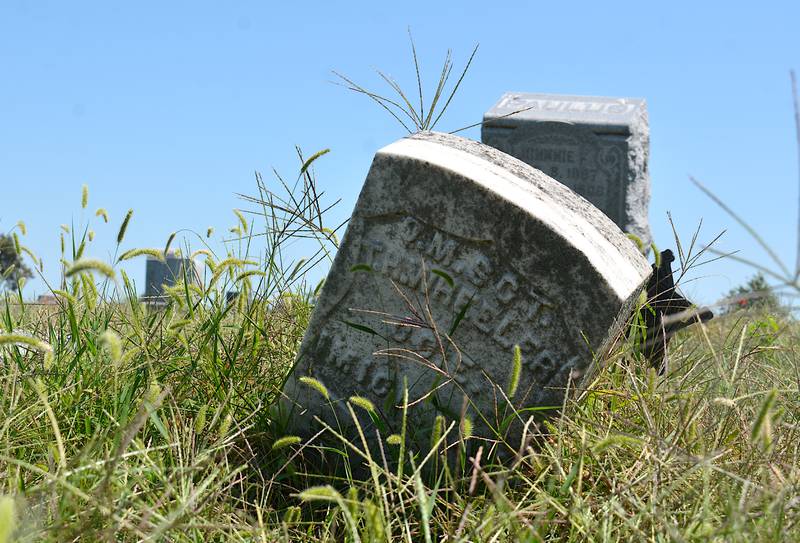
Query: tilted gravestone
point(454, 254)
point(596, 146)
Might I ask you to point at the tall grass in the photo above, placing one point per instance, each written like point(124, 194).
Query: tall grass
point(124, 422)
point(413, 113)
point(121, 421)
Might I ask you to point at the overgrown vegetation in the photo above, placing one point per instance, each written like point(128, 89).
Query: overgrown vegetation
point(411, 111)
point(123, 422)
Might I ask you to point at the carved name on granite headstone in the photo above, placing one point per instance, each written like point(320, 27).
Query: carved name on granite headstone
point(455, 253)
point(596, 146)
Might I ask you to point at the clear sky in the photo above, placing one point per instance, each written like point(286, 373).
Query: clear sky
point(169, 107)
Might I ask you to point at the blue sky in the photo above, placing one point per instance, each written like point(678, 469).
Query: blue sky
point(169, 107)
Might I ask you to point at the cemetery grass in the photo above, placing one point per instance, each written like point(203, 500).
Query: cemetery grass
point(120, 422)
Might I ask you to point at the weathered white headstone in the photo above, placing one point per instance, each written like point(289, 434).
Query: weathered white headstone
point(597, 146)
point(534, 265)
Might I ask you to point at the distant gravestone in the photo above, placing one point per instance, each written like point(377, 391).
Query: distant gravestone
point(167, 272)
point(530, 264)
point(596, 146)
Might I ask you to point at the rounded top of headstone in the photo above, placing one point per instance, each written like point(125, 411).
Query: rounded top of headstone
point(567, 214)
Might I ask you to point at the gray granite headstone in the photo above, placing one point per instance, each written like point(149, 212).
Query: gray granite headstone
point(597, 146)
point(167, 272)
point(533, 264)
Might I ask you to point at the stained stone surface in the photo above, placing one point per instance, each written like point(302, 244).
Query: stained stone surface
point(531, 264)
point(597, 146)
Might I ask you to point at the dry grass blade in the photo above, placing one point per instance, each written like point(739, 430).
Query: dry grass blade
point(752, 264)
point(796, 104)
point(421, 119)
point(456, 131)
point(455, 88)
point(444, 76)
point(750, 230)
point(380, 100)
point(409, 107)
point(416, 68)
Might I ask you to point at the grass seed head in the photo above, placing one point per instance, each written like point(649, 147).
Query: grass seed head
point(761, 431)
point(152, 392)
point(81, 248)
point(249, 273)
point(436, 433)
point(242, 220)
point(375, 524)
point(124, 227)
point(199, 252)
point(133, 253)
point(320, 493)
point(292, 515)
point(67, 296)
point(516, 371)
point(363, 403)
point(90, 265)
point(316, 385)
point(466, 428)
point(169, 242)
point(284, 442)
point(25, 340)
point(727, 402)
point(200, 419)
point(110, 340)
point(225, 425)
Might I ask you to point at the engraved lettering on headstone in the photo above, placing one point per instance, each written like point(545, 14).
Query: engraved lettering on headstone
point(485, 314)
point(441, 250)
point(506, 288)
point(377, 378)
point(596, 146)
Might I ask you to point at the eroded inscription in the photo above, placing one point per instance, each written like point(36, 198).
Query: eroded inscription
point(503, 308)
point(593, 168)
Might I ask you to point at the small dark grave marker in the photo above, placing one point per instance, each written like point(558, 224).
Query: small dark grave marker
point(667, 312)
